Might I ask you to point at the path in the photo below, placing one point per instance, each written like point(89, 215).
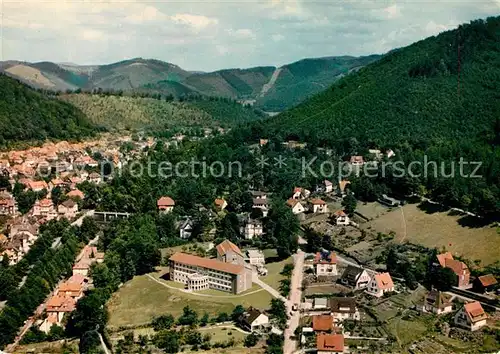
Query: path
point(267, 288)
point(198, 294)
point(295, 298)
point(271, 82)
point(78, 222)
point(224, 326)
point(404, 224)
point(106, 350)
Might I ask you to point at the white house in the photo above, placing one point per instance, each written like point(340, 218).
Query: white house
point(300, 193)
point(262, 204)
point(341, 218)
point(254, 321)
point(344, 308)
point(319, 206)
point(296, 206)
point(380, 284)
point(165, 205)
point(186, 228)
point(325, 264)
point(255, 257)
point(471, 316)
point(68, 209)
point(358, 278)
point(325, 187)
point(437, 302)
point(253, 228)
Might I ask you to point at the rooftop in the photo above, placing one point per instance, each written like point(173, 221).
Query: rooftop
point(207, 263)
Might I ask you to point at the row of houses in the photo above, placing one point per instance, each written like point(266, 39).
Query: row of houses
point(66, 295)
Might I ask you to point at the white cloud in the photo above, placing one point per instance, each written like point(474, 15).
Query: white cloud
point(195, 21)
point(393, 11)
point(148, 14)
point(242, 33)
point(92, 35)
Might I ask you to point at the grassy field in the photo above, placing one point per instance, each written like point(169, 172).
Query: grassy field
point(439, 230)
point(274, 269)
point(142, 298)
point(69, 347)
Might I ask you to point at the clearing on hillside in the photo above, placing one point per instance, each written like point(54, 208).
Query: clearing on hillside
point(439, 229)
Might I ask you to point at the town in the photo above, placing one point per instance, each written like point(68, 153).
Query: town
point(321, 298)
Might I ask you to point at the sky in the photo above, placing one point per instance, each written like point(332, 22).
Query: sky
point(215, 34)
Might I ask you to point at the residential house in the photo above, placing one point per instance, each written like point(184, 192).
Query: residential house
point(460, 269)
point(255, 257)
point(325, 264)
point(252, 228)
point(69, 288)
point(165, 205)
point(471, 316)
point(262, 204)
point(258, 194)
point(186, 228)
point(356, 160)
point(60, 305)
point(322, 323)
point(485, 283)
point(68, 209)
point(95, 177)
point(263, 142)
point(344, 308)
point(296, 206)
point(48, 322)
point(7, 204)
point(376, 153)
point(254, 320)
point(44, 208)
point(228, 252)
point(320, 303)
point(300, 193)
point(324, 187)
point(437, 302)
point(319, 206)
point(330, 343)
point(389, 153)
point(380, 284)
point(56, 182)
point(341, 218)
point(75, 194)
point(220, 204)
point(358, 278)
point(37, 186)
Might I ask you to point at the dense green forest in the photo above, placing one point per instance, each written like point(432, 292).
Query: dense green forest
point(26, 114)
point(156, 112)
point(438, 97)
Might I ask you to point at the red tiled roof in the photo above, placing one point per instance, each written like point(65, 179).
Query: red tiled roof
point(487, 280)
point(165, 202)
point(292, 202)
point(318, 202)
point(384, 281)
point(322, 323)
point(225, 246)
point(330, 342)
point(219, 202)
point(207, 263)
point(458, 267)
point(443, 257)
point(76, 194)
point(340, 213)
point(475, 311)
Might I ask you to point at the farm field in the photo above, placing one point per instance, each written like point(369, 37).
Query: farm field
point(142, 298)
point(439, 229)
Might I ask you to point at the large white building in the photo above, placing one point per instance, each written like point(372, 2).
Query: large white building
point(203, 273)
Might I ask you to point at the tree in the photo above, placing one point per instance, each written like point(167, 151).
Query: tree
point(90, 313)
point(90, 343)
point(163, 322)
point(444, 279)
point(251, 340)
point(349, 203)
point(189, 317)
point(237, 312)
point(168, 341)
point(282, 226)
point(204, 320)
point(278, 312)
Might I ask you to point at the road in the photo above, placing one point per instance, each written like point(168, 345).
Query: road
point(290, 345)
point(106, 350)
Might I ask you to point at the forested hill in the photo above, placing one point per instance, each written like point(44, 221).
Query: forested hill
point(26, 114)
point(414, 93)
point(439, 97)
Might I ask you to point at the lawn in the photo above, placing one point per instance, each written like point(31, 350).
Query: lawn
point(372, 210)
point(222, 334)
point(142, 298)
point(273, 276)
point(439, 229)
point(407, 331)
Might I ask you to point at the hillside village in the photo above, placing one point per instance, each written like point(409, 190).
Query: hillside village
point(327, 301)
